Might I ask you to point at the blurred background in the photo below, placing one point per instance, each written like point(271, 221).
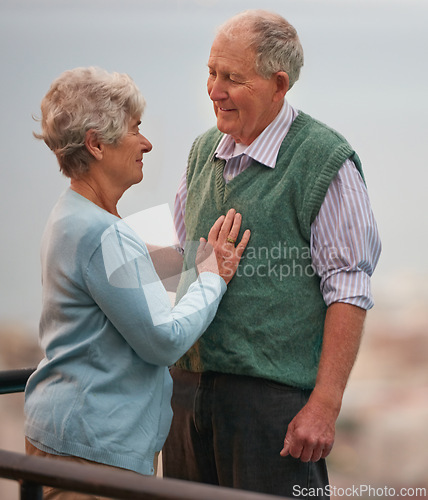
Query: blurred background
point(365, 75)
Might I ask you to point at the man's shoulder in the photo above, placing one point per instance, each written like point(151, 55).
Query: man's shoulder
point(317, 131)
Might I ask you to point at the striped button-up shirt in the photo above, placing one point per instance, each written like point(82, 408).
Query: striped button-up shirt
point(345, 244)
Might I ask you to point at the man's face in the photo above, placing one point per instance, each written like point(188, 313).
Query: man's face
point(244, 102)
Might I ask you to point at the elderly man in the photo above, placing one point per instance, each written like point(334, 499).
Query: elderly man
point(257, 397)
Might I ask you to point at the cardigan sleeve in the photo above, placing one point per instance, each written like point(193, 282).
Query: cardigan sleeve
point(123, 282)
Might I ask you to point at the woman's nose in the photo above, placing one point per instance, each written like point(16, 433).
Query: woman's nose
point(147, 145)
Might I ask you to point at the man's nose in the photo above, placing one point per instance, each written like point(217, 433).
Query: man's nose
point(217, 90)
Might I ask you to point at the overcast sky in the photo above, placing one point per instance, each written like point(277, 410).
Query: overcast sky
point(365, 74)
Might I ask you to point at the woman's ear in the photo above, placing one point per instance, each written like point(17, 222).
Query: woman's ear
point(282, 85)
point(93, 144)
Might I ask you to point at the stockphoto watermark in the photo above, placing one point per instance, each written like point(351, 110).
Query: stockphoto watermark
point(131, 244)
point(361, 491)
point(281, 261)
point(141, 252)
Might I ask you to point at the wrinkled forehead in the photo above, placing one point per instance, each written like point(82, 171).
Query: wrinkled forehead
point(234, 54)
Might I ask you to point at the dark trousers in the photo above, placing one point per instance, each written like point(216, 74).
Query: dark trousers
point(228, 430)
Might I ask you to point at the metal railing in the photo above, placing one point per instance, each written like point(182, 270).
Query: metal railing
point(14, 380)
point(35, 472)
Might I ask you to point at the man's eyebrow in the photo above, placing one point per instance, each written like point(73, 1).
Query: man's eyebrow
point(229, 73)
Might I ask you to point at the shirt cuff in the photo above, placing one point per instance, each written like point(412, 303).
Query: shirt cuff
point(351, 287)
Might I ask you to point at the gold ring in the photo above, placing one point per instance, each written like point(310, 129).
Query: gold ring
point(231, 240)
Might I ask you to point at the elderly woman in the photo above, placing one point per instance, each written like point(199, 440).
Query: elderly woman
point(102, 392)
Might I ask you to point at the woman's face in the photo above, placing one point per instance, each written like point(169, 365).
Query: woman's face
point(123, 162)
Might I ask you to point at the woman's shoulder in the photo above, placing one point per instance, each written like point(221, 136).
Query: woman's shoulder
point(76, 222)
point(83, 212)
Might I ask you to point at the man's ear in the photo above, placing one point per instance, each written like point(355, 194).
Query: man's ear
point(282, 85)
point(93, 144)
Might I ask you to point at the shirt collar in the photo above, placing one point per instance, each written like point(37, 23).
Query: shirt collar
point(264, 149)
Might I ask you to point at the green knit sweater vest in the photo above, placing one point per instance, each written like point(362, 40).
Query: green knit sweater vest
point(270, 321)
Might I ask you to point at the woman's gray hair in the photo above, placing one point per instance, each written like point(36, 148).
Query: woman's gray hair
point(82, 99)
point(273, 39)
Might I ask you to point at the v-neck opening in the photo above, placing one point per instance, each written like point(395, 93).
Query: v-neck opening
point(225, 188)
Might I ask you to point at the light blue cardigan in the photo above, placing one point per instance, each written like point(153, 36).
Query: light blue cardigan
point(103, 390)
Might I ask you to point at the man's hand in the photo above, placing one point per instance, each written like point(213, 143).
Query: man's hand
point(310, 435)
